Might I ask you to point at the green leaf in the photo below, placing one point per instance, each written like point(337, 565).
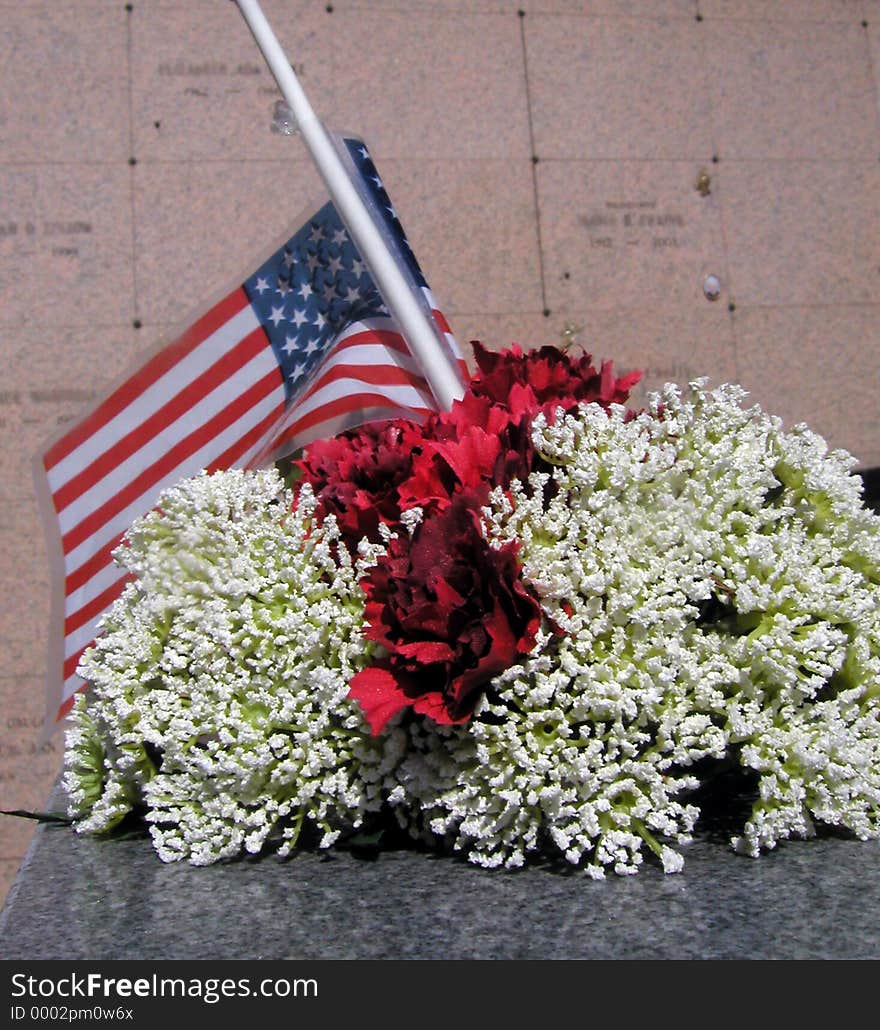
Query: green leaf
point(40, 817)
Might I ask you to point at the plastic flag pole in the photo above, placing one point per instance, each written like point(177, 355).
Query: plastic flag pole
point(419, 329)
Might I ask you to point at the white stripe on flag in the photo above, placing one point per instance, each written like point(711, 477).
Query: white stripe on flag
point(158, 445)
point(398, 396)
point(200, 459)
point(168, 385)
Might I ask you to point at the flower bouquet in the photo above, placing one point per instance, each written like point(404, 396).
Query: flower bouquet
point(534, 625)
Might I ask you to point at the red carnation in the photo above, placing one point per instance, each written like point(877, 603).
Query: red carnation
point(467, 451)
point(551, 377)
point(451, 613)
point(355, 475)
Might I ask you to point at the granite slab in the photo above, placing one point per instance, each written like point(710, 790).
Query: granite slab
point(768, 75)
point(79, 898)
point(776, 343)
point(640, 88)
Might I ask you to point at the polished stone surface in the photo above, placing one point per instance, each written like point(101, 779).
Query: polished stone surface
point(812, 241)
point(770, 75)
point(63, 97)
point(77, 898)
point(629, 234)
point(65, 250)
point(651, 102)
point(775, 344)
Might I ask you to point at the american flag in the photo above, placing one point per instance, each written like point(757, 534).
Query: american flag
point(302, 349)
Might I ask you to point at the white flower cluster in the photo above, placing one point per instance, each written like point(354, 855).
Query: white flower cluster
point(712, 590)
point(218, 701)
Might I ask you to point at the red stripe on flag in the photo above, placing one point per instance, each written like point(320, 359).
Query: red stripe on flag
point(145, 376)
point(374, 375)
point(440, 319)
point(170, 460)
point(341, 406)
point(80, 576)
point(94, 607)
point(189, 396)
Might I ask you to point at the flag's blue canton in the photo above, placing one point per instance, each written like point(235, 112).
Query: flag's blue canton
point(373, 184)
point(308, 292)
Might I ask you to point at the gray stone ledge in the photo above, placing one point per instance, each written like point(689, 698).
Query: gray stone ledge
point(80, 898)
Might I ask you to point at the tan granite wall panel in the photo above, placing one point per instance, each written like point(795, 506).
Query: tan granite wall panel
point(32, 407)
point(65, 244)
point(627, 234)
point(665, 345)
point(64, 86)
point(472, 226)
point(873, 31)
point(200, 225)
point(198, 102)
point(814, 348)
point(454, 84)
point(803, 232)
point(824, 76)
point(24, 611)
point(28, 765)
point(639, 88)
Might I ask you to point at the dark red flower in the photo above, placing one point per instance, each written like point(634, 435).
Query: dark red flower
point(451, 613)
point(485, 439)
point(528, 382)
point(465, 452)
point(355, 475)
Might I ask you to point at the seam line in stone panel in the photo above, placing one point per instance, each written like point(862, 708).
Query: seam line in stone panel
point(242, 160)
point(129, 12)
point(725, 253)
point(873, 70)
point(795, 305)
point(644, 19)
point(534, 166)
point(492, 314)
point(848, 161)
point(745, 19)
point(66, 324)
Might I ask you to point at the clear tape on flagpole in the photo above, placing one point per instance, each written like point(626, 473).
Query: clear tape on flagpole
point(283, 119)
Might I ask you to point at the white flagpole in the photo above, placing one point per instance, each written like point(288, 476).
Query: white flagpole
point(420, 331)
